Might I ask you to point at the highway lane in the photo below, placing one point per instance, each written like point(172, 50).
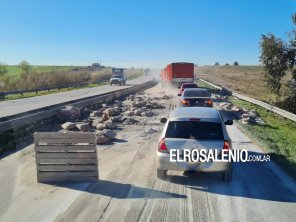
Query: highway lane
point(18, 106)
point(128, 189)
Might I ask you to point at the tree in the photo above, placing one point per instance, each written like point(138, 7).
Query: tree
point(25, 67)
point(3, 69)
point(278, 57)
point(226, 64)
point(217, 64)
point(274, 59)
point(235, 63)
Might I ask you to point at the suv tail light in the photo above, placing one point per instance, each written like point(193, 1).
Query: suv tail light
point(184, 101)
point(209, 102)
point(226, 145)
point(162, 147)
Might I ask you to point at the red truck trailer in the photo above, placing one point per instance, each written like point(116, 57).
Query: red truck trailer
point(178, 73)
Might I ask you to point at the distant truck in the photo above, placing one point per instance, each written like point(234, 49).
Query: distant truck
point(178, 73)
point(118, 77)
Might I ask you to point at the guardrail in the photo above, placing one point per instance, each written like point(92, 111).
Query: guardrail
point(3, 94)
point(12, 122)
point(267, 106)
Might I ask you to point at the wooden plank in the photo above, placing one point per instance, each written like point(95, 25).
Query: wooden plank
point(64, 141)
point(65, 148)
point(67, 174)
point(64, 135)
point(67, 161)
point(41, 179)
point(66, 156)
point(67, 168)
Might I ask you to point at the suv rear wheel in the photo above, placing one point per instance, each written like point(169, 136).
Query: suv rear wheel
point(161, 174)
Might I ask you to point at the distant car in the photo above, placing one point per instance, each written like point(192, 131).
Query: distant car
point(118, 76)
point(185, 86)
point(196, 97)
point(118, 79)
point(193, 127)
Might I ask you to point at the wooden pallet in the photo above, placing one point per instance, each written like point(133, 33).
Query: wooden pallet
point(66, 157)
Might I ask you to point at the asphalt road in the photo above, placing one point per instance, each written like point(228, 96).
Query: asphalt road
point(18, 106)
point(128, 189)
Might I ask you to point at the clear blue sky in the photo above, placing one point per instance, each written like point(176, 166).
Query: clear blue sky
point(140, 33)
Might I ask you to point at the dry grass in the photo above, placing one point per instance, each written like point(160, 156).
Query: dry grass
point(247, 80)
point(41, 79)
point(101, 75)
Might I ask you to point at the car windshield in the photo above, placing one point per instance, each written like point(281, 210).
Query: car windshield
point(194, 130)
point(196, 93)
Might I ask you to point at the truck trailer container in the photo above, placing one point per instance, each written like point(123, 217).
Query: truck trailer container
point(178, 73)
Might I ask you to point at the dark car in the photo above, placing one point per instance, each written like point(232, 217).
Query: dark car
point(186, 86)
point(196, 97)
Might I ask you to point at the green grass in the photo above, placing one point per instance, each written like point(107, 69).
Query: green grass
point(15, 70)
point(202, 84)
point(278, 136)
point(45, 92)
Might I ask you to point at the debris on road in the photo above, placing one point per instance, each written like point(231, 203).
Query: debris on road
point(101, 126)
point(101, 139)
point(84, 127)
point(246, 116)
point(110, 125)
point(104, 118)
point(68, 126)
point(69, 113)
point(109, 133)
point(97, 113)
point(150, 130)
point(130, 121)
point(112, 111)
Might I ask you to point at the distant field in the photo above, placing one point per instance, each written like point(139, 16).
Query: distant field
point(247, 80)
point(14, 71)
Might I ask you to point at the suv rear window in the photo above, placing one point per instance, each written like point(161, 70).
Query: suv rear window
point(194, 130)
point(196, 93)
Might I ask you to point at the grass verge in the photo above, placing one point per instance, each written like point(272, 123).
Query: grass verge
point(41, 93)
point(278, 136)
point(202, 84)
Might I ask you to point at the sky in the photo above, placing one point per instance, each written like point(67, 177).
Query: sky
point(139, 33)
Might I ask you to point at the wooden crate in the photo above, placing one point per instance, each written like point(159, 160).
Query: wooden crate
point(66, 156)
